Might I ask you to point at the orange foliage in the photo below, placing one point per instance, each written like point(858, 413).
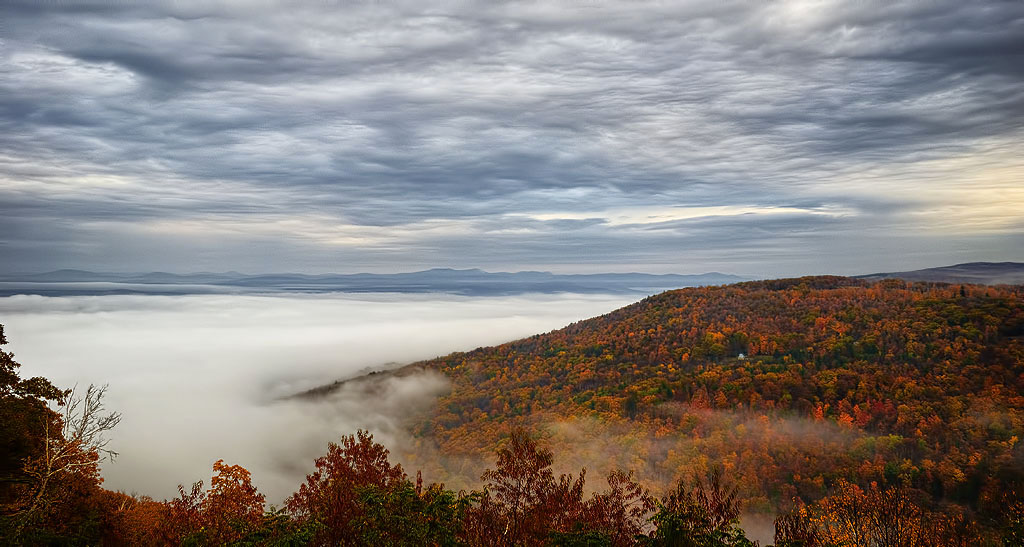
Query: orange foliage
point(891, 375)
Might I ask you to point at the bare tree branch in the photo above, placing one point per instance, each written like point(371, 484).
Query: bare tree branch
point(78, 447)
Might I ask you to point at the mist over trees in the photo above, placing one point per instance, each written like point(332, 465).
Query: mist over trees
point(863, 414)
point(793, 384)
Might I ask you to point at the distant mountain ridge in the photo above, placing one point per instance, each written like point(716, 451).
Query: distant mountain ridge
point(470, 282)
point(982, 273)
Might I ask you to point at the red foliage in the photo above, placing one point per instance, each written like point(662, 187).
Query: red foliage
point(329, 495)
point(524, 504)
point(838, 377)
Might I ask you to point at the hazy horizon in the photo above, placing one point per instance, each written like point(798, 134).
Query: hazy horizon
point(618, 271)
point(751, 274)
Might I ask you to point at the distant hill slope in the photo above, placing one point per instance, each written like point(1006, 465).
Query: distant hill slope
point(788, 385)
point(982, 273)
point(466, 282)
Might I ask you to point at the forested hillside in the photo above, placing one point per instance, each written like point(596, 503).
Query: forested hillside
point(861, 413)
point(789, 385)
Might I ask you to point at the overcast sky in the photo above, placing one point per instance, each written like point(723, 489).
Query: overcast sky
point(751, 137)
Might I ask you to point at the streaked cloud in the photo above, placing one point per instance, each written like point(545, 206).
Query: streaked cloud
point(681, 137)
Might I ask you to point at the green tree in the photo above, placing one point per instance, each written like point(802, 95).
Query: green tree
point(410, 516)
point(699, 515)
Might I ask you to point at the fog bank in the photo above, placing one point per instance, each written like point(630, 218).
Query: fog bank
point(199, 377)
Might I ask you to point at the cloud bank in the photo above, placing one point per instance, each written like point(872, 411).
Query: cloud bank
point(199, 378)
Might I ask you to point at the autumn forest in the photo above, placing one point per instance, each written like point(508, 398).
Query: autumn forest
point(848, 412)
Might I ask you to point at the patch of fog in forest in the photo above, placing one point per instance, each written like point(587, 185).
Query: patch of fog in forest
point(198, 378)
point(694, 446)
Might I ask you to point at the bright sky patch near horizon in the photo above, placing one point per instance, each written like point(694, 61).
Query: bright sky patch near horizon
point(756, 138)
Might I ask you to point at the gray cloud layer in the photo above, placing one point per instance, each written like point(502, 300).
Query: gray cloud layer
point(753, 137)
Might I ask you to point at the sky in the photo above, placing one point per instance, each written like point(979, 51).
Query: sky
point(761, 138)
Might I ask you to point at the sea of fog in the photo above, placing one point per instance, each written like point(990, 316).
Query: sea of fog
point(200, 378)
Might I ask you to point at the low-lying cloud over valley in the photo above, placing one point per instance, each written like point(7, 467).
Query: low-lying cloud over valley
point(204, 377)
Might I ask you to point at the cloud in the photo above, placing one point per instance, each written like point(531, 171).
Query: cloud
point(387, 117)
point(207, 377)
